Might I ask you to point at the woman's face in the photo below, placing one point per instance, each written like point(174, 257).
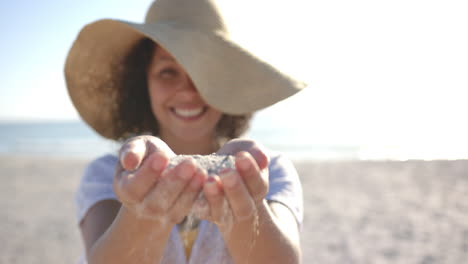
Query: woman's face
point(181, 112)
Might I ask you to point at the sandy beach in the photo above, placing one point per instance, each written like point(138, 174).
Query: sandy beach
point(355, 211)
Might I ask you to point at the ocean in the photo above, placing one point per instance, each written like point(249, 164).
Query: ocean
point(75, 139)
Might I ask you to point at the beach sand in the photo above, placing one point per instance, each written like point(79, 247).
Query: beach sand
point(355, 211)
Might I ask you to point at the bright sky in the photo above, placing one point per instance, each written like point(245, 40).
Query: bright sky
point(379, 72)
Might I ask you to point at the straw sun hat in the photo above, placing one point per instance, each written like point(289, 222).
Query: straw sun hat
point(227, 76)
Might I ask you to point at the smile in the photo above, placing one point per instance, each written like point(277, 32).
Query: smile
point(189, 113)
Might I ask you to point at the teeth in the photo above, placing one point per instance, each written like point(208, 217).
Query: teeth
point(188, 112)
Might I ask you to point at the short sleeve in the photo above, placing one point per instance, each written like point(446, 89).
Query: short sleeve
point(95, 185)
point(285, 186)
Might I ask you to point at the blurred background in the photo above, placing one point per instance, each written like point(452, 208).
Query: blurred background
point(378, 137)
point(387, 80)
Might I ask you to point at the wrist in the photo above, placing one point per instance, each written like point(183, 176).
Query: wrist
point(134, 217)
point(260, 211)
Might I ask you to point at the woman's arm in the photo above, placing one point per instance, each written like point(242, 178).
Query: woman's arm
point(254, 231)
point(97, 220)
point(273, 239)
point(153, 199)
point(113, 235)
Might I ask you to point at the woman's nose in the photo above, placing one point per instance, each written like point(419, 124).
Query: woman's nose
point(187, 85)
point(186, 90)
point(191, 85)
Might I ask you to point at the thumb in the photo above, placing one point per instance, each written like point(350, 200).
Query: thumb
point(135, 150)
point(255, 149)
point(132, 153)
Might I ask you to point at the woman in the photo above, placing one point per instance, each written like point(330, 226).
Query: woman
point(179, 77)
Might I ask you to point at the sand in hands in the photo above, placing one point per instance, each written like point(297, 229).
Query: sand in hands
point(213, 164)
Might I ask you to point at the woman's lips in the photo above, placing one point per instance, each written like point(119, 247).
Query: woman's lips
point(189, 113)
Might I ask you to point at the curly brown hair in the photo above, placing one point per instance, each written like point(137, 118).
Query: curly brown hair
point(134, 115)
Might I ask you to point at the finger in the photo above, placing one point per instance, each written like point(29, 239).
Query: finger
point(237, 195)
point(155, 143)
point(214, 196)
point(118, 171)
point(259, 156)
point(132, 153)
point(171, 183)
point(256, 150)
point(235, 145)
point(136, 149)
point(255, 181)
point(131, 187)
point(185, 201)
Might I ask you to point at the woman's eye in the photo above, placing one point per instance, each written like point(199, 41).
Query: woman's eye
point(168, 73)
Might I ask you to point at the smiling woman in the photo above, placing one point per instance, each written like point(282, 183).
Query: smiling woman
point(183, 115)
point(177, 85)
point(147, 65)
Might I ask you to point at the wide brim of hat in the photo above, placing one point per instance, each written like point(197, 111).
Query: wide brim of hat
point(228, 77)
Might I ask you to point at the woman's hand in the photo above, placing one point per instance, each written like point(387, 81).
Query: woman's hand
point(150, 190)
point(234, 195)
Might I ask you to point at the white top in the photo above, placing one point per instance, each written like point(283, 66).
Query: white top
point(284, 187)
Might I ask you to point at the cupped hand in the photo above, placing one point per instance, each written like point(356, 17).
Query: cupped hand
point(148, 188)
point(234, 195)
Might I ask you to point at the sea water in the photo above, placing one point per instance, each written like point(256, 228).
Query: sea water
point(60, 139)
point(76, 139)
